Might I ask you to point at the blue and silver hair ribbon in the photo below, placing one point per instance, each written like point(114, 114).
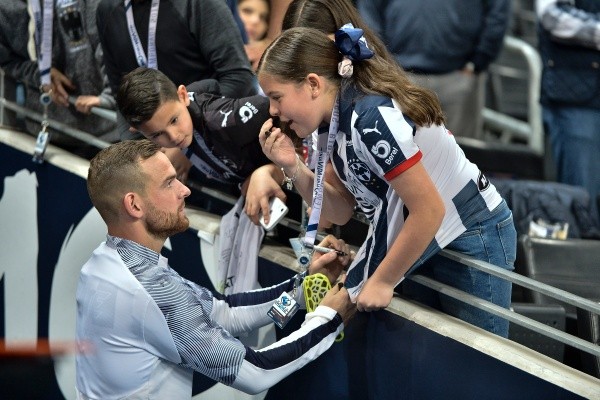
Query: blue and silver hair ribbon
point(353, 45)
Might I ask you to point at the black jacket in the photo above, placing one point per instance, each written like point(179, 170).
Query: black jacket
point(226, 133)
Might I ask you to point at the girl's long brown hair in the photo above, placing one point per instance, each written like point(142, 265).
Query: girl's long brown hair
point(379, 75)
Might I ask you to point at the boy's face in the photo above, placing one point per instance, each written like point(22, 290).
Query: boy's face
point(171, 125)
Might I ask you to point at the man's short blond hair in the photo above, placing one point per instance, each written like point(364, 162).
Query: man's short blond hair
point(115, 171)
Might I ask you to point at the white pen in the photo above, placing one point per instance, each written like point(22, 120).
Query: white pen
point(327, 250)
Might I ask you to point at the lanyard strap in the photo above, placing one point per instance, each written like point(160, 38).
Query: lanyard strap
point(43, 37)
point(324, 146)
point(140, 55)
point(204, 166)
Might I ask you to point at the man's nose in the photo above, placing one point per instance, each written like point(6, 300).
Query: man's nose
point(185, 192)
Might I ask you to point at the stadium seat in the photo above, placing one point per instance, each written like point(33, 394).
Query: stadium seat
point(572, 265)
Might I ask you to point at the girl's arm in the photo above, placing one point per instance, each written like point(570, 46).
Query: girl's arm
point(426, 211)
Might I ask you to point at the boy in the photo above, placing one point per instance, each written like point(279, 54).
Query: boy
point(218, 135)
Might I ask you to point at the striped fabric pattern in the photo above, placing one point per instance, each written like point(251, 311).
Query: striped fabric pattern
point(202, 325)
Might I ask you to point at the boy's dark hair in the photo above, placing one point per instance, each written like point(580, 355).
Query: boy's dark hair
point(141, 92)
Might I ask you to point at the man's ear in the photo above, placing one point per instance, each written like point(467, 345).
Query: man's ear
point(182, 93)
point(132, 203)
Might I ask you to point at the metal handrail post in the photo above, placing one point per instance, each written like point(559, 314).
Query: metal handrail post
point(531, 130)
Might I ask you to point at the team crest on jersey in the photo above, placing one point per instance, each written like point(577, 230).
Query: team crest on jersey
point(482, 182)
point(361, 171)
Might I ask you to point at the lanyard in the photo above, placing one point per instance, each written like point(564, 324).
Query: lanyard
point(203, 166)
point(324, 146)
point(140, 55)
point(43, 37)
point(42, 17)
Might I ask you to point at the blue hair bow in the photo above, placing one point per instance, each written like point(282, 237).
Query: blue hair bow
point(351, 43)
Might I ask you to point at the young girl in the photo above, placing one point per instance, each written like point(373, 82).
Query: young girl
point(393, 158)
point(255, 16)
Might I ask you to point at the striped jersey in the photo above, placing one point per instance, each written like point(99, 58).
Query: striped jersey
point(145, 329)
point(375, 143)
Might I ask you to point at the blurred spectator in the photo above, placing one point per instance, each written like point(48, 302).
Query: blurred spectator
point(187, 40)
point(447, 46)
point(76, 68)
point(255, 16)
point(255, 50)
point(192, 40)
point(569, 43)
point(233, 6)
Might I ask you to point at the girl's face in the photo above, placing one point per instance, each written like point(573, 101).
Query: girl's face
point(254, 14)
point(304, 105)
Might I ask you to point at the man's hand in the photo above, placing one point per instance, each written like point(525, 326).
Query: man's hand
point(330, 264)
point(338, 299)
point(84, 104)
point(259, 189)
point(59, 85)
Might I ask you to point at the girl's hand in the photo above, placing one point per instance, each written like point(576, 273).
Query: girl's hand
point(277, 146)
point(259, 189)
point(374, 296)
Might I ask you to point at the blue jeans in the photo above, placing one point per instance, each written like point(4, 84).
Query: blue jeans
point(575, 138)
point(493, 240)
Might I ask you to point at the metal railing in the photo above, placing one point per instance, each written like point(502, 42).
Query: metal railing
point(65, 129)
point(530, 131)
point(516, 318)
point(58, 126)
point(510, 128)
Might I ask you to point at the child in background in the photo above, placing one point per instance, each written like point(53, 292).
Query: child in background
point(255, 16)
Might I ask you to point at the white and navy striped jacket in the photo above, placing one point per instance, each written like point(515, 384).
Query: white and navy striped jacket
point(147, 329)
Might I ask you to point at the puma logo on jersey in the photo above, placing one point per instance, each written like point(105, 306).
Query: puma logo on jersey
point(225, 114)
point(369, 130)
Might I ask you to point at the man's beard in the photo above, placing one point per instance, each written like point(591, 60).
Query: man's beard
point(162, 224)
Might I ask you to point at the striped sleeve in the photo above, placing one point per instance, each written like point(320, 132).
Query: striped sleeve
point(202, 344)
point(263, 368)
point(202, 326)
point(386, 140)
